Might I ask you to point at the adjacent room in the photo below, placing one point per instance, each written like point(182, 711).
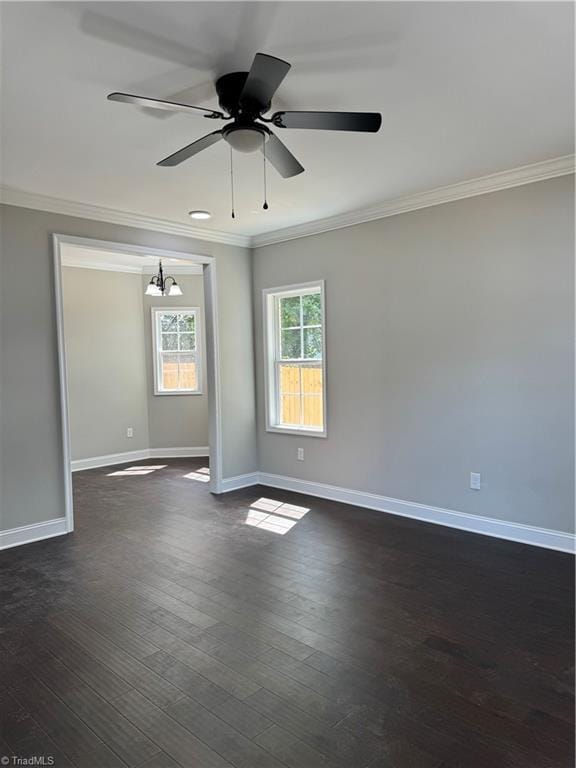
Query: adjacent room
point(136, 379)
point(287, 367)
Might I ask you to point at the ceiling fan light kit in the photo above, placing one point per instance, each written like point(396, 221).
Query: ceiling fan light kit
point(245, 138)
point(244, 98)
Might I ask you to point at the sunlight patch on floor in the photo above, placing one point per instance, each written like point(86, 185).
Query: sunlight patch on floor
point(287, 510)
point(275, 516)
point(200, 475)
point(144, 469)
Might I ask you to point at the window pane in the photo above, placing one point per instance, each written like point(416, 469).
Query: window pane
point(313, 343)
point(289, 379)
point(290, 409)
point(311, 380)
point(186, 323)
point(187, 341)
point(296, 396)
point(312, 410)
point(311, 308)
point(290, 345)
point(290, 312)
point(170, 341)
point(169, 376)
point(168, 322)
point(188, 372)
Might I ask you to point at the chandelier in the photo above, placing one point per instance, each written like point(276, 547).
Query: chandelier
point(158, 285)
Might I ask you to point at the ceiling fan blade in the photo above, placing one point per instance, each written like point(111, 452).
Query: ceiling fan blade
point(191, 149)
point(329, 121)
point(281, 157)
point(170, 106)
point(143, 38)
point(264, 78)
point(203, 90)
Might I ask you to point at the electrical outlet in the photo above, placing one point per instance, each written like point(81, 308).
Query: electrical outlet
point(130, 432)
point(300, 454)
point(475, 481)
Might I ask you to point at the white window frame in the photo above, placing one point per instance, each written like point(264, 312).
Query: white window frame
point(157, 349)
point(271, 325)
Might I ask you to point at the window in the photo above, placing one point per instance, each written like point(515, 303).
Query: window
point(296, 374)
point(177, 360)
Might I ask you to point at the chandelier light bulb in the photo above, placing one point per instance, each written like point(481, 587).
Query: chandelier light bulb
point(158, 285)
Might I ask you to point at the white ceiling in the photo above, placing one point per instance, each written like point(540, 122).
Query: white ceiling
point(466, 89)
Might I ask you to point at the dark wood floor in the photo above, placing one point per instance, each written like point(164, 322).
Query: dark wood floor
point(166, 631)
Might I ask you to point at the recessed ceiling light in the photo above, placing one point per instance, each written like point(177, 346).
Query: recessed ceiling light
point(200, 215)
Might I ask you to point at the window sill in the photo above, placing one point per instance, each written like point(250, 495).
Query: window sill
point(171, 394)
point(301, 431)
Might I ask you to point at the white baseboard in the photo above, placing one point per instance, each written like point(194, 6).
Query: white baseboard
point(501, 529)
point(239, 481)
point(26, 534)
point(144, 453)
point(108, 460)
point(177, 453)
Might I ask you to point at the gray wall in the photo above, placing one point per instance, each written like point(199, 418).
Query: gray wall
point(450, 349)
point(31, 470)
point(176, 421)
point(107, 383)
point(108, 329)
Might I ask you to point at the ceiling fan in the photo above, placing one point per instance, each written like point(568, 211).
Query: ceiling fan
point(246, 97)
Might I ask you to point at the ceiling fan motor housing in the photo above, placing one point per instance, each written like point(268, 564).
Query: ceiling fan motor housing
point(229, 89)
point(243, 135)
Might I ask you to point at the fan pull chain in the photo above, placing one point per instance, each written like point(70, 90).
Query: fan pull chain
point(265, 206)
point(232, 182)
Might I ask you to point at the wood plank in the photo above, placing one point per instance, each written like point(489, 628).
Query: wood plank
point(37, 748)
point(290, 750)
point(340, 746)
point(129, 743)
point(140, 677)
point(177, 741)
point(221, 737)
point(78, 742)
point(209, 667)
point(187, 680)
point(241, 716)
point(356, 639)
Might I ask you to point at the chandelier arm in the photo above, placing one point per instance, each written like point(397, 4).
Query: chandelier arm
point(164, 282)
point(168, 277)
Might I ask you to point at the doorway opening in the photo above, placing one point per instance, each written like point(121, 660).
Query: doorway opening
point(139, 367)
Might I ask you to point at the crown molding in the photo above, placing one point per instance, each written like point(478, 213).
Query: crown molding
point(526, 174)
point(515, 177)
point(22, 199)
